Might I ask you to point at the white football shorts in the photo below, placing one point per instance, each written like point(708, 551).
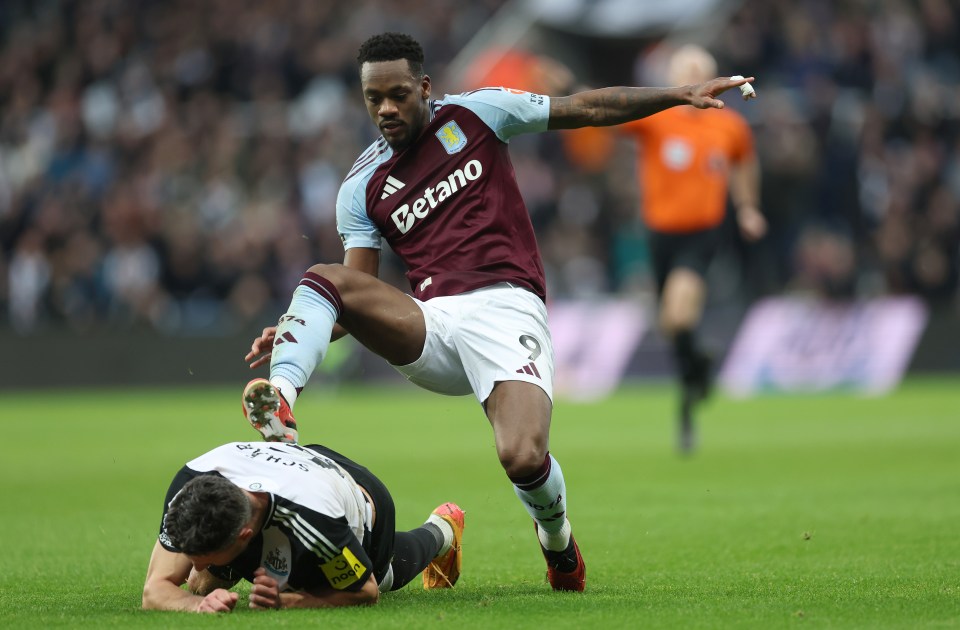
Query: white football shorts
point(477, 339)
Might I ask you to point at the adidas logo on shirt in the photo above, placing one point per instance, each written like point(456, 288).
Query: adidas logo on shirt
point(391, 186)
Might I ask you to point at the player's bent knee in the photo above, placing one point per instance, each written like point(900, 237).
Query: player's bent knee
point(332, 272)
point(342, 278)
point(517, 463)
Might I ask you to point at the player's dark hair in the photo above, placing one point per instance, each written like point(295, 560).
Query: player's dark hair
point(206, 515)
point(390, 47)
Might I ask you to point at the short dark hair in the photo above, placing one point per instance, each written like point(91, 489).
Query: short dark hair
point(390, 47)
point(206, 515)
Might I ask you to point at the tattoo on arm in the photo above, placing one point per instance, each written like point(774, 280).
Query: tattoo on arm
point(611, 106)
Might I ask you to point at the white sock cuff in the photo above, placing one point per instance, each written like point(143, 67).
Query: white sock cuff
point(556, 541)
point(446, 529)
point(287, 389)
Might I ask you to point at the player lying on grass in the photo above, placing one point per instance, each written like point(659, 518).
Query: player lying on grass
point(308, 527)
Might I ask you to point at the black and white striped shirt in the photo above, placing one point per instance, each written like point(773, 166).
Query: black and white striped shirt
point(317, 530)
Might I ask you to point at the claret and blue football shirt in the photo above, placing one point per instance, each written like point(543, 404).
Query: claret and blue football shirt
point(449, 205)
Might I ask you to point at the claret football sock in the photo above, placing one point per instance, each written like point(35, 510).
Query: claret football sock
point(544, 495)
point(303, 333)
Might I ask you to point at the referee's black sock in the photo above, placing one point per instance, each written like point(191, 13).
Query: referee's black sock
point(685, 352)
point(413, 551)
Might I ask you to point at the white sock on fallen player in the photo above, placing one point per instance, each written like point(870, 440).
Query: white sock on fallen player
point(446, 529)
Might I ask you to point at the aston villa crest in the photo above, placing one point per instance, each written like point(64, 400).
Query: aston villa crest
point(452, 137)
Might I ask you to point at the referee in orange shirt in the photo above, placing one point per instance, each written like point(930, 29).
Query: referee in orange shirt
point(688, 159)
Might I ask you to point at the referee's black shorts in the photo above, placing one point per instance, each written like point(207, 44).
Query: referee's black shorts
point(690, 250)
point(384, 529)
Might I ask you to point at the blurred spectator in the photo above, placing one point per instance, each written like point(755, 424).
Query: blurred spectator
point(858, 139)
point(170, 164)
point(175, 164)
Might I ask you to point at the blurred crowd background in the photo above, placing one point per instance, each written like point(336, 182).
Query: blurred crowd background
point(173, 165)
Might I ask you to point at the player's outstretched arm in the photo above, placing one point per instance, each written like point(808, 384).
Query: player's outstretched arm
point(264, 594)
point(617, 105)
point(161, 589)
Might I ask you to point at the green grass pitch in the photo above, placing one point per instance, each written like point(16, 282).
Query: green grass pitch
point(796, 512)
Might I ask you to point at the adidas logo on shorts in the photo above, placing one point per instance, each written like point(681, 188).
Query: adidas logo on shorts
point(531, 369)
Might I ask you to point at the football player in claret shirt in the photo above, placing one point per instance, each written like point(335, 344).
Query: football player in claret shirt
point(308, 527)
point(439, 188)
